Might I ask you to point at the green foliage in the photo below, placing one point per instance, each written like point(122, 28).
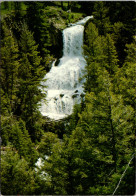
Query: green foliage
point(111, 59)
point(16, 176)
point(97, 140)
point(9, 68)
point(53, 171)
point(31, 73)
point(128, 27)
point(126, 76)
point(75, 117)
point(93, 55)
point(100, 53)
point(101, 18)
point(129, 178)
point(37, 22)
point(47, 142)
point(80, 162)
point(15, 132)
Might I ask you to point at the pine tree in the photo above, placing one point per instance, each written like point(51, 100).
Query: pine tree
point(6, 5)
point(108, 125)
point(106, 121)
point(127, 20)
point(125, 77)
point(9, 67)
point(111, 60)
point(14, 132)
point(47, 142)
point(101, 18)
point(38, 23)
point(16, 175)
point(93, 54)
point(31, 74)
point(53, 168)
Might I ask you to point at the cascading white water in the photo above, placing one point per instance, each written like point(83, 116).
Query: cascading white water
point(64, 87)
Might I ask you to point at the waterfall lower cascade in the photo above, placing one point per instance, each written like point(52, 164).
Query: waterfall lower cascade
point(63, 81)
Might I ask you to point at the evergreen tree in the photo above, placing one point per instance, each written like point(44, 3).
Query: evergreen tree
point(38, 23)
point(111, 60)
point(87, 7)
point(6, 5)
point(100, 104)
point(14, 132)
point(89, 161)
point(47, 142)
point(96, 146)
point(9, 67)
point(101, 18)
point(16, 176)
point(99, 52)
point(53, 168)
point(17, 5)
point(125, 77)
point(31, 74)
point(128, 27)
point(107, 124)
point(93, 54)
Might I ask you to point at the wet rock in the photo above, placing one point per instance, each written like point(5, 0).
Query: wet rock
point(75, 95)
point(57, 62)
point(61, 95)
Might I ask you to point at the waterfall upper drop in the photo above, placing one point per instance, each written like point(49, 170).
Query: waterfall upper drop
point(64, 88)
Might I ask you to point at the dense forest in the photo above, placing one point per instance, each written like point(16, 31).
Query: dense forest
point(92, 151)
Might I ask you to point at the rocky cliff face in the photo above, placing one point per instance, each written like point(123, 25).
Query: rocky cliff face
point(59, 20)
point(57, 38)
point(57, 41)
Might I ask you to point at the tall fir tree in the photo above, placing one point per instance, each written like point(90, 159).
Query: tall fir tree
point(111, 59)
point(101, 18)
point(31, 74)
point(93, 55)
point(38, 23)
point(17, 177)
point(125, 77)
point(9, 68)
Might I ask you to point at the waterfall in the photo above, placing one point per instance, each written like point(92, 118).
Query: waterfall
point(63, 85)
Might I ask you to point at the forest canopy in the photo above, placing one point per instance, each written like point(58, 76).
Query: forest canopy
point(92, 151)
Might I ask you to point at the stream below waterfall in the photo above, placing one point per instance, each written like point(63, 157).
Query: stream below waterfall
point(64, 86)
